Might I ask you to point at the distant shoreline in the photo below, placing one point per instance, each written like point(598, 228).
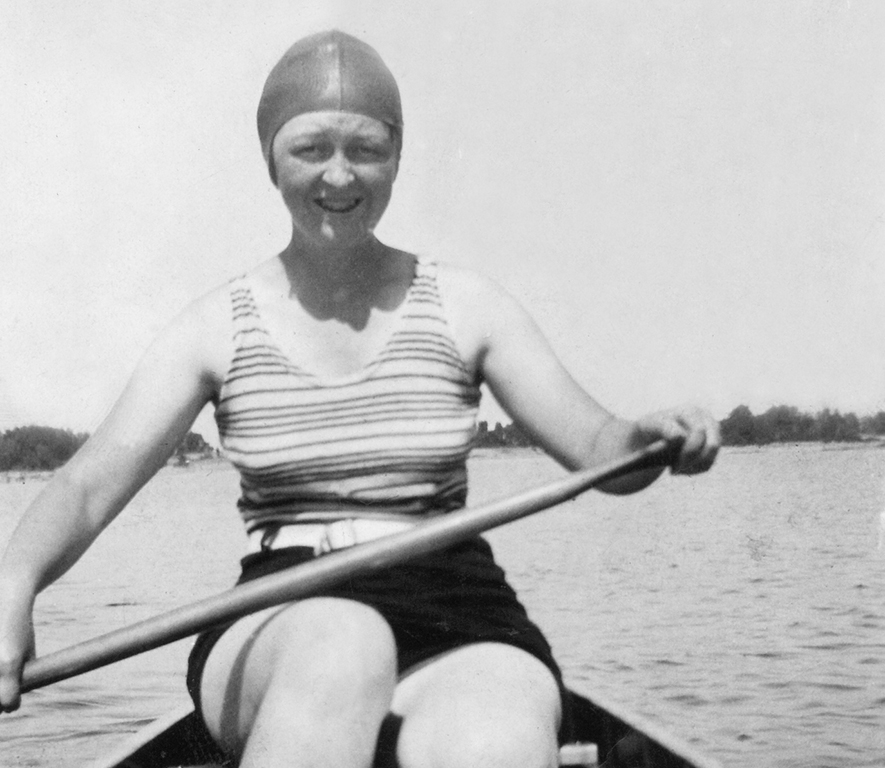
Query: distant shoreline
point(505, 451)
point(482, 454)
point(859, 445)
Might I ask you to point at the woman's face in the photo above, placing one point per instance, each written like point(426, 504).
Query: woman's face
point(335, 171)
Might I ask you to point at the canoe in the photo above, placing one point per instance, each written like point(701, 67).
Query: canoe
point(178, 741)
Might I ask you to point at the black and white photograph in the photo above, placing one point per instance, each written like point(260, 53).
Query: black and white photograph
point(465, 384)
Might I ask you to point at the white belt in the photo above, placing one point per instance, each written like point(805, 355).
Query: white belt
point(324, 537)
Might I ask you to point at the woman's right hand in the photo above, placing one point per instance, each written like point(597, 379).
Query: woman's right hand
point(16, 647)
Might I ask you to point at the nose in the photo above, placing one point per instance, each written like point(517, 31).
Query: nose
point(338, 172)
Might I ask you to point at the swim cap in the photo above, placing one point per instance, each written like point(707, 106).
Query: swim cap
point(327, 71)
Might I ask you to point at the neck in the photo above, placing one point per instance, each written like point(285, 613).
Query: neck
point(334, 265)
point(330, 281)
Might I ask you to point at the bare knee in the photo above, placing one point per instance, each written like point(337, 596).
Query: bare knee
point(508, 743)
point(505, 742)
point(324, 660)
point(329, 643)
point(483, 705)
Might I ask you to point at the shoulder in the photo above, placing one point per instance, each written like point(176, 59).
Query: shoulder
point(198, 338)
point(210, 313)
point(479, 310)
point(477, 298)
point(470, 289)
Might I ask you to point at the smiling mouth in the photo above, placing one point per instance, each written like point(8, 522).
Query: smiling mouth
point(338, 206)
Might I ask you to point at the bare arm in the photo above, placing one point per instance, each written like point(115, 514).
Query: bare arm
point(511, 354)
point(170, 386)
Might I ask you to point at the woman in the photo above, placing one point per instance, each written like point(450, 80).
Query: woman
point(345, 378)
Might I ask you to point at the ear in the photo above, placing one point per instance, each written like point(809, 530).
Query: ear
point(271, 165)
point(397, 135)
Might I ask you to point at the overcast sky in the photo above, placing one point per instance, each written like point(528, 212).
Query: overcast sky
point(688, 196)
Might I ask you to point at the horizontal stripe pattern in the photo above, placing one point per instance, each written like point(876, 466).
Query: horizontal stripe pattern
point(389, 441)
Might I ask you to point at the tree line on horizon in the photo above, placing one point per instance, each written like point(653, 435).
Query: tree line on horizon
point(501, 436)
point(778, 424)
point(787, 424)
point(37, 448)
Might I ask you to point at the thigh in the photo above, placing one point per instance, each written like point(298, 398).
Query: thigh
point(482, 704)
point(318, 647)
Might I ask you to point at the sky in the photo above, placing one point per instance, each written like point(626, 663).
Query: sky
point(689, 197)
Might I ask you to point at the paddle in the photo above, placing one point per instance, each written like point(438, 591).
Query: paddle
point(435, 534)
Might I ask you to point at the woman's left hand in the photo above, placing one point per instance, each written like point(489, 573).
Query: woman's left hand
point(694, 430)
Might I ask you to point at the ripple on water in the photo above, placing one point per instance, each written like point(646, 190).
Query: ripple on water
point(769, 660)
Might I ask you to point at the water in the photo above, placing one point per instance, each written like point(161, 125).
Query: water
point(744, 610)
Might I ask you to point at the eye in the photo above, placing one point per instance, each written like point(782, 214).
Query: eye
point(369, 152)
point(307, 151)
point(311, 149)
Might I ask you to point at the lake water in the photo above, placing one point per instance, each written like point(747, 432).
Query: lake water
point(744, 610)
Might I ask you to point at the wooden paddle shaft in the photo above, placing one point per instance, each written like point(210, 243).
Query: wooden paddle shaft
point(285, 586)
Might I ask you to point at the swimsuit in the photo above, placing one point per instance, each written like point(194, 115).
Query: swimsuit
point(388, 442)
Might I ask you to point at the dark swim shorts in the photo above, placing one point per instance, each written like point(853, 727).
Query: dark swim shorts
point(433, 604)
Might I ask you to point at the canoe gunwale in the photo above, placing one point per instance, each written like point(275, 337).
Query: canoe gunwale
point(176, 741)
point(147, 747)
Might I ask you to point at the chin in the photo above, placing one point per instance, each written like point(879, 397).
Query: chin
point(346, 235)
point(344, 238)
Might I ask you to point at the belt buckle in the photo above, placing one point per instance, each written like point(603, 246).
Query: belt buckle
point(337, 535)
point(267, 538)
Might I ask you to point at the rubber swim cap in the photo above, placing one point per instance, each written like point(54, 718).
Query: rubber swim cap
point(327, 71)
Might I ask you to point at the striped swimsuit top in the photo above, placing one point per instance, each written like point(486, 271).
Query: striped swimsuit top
point(389, 441)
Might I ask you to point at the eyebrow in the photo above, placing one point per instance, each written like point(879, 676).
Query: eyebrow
point(313, 134)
